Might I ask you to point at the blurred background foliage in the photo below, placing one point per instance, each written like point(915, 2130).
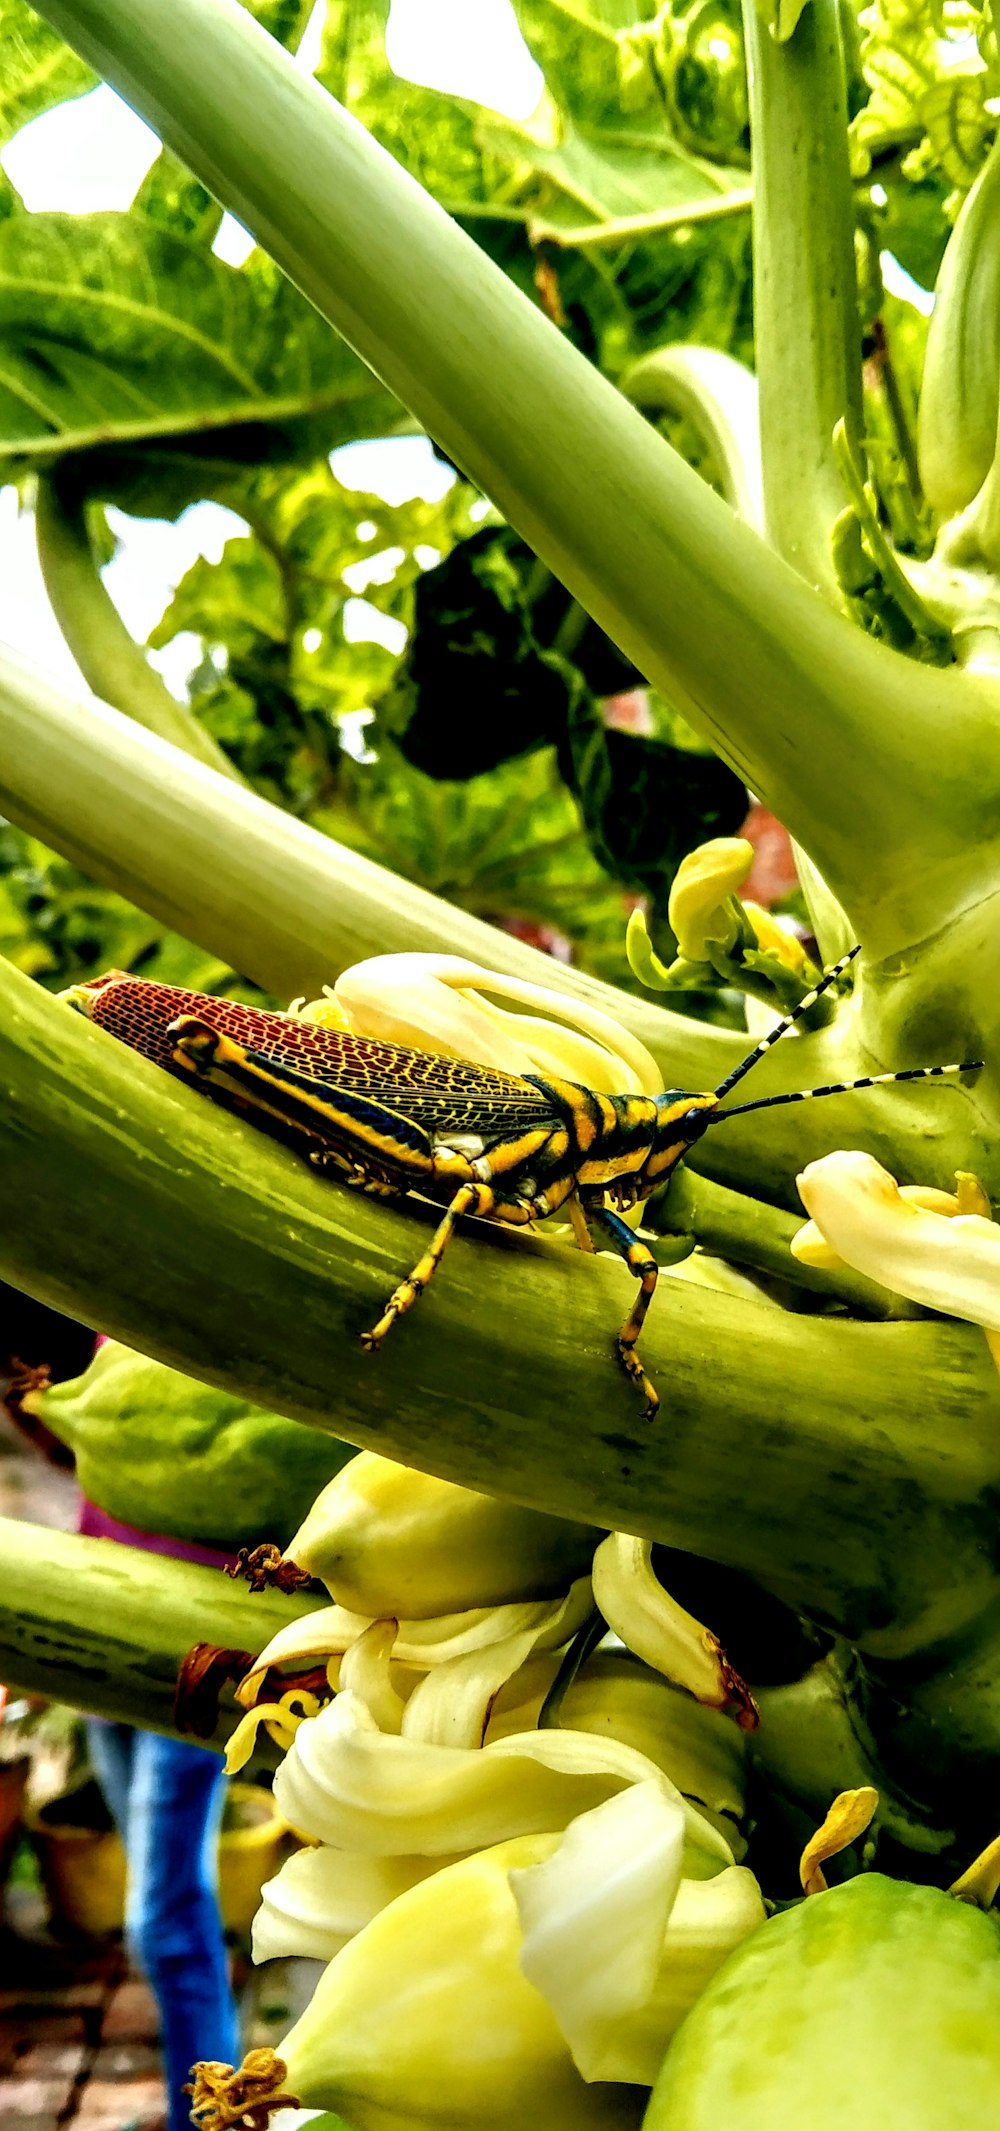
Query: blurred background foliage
point(502, 752)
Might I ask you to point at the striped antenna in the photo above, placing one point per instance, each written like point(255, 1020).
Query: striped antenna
point(781, 1029)
point(843, 1087)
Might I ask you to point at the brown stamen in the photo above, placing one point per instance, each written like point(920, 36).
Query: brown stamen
point(226, 2100)
point(266, 1569)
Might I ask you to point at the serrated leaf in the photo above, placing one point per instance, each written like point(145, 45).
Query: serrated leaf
point(116, 332)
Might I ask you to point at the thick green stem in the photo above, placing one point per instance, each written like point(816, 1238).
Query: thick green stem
point(859, 751)
point(111, 663)
point(278, 901)
point(105, 1628)
point(807, 332)
point(291, 908)
point(852, 1468)
point(731, 1225)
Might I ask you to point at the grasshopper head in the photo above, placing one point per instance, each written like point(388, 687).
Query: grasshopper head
point(681, 1117)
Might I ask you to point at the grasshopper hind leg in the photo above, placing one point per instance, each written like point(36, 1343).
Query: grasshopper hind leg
point(469, 1198)
point(640, 1261)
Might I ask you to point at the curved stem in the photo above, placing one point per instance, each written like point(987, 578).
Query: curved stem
point(111, 662)
point(853, 1469)
point(808, 336)
point(718, 396)
point(747, 1232)
point(858, 750)
point(627, 229)
point(275, 899)
point(104, 1627)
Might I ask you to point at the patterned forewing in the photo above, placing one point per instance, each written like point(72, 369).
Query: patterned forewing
point(444, 1095)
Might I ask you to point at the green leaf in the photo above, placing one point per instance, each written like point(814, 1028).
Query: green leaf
point(575, 42)
point(39, 70)
point(118, 335)
point(61, 927)
point(506, 844)
point(645, 803)
point(580, 165)
point(432, 134)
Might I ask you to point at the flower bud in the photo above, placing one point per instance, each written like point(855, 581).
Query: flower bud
point(652, 1624)
point(425, 2018)
point(700, 900)
point(386, 1540)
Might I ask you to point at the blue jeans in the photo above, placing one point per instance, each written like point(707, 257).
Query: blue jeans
point(166, 1798)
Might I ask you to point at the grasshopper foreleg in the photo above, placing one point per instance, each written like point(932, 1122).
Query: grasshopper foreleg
point(640, 1261)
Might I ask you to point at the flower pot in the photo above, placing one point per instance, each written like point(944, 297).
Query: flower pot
point(82, 1862)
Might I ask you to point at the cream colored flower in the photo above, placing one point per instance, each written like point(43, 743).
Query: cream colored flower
point(653, 1625)
point(618, 1941)
point(920, 1242)
point(437, 1003)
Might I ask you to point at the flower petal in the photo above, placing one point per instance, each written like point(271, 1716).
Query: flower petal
point(327, 1632)
point(617, 1942)
point(650, 1622)
point(594, 1916)
point(434, 1003)
point(702, 883)
point(948, 1264)
point(322, 1897)
point(346, 1783)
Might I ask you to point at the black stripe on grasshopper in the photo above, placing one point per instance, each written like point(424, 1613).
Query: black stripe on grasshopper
point(386, 1119)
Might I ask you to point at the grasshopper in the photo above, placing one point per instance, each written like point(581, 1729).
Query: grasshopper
point(388, 1120)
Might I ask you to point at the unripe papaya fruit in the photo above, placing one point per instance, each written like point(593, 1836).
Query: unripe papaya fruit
point(159, 1451)
point(960, 393)
point(872, 2007)
point(386, 1540)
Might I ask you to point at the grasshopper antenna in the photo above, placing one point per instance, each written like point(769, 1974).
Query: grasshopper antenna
point(781, 1027)
point(843, 1087)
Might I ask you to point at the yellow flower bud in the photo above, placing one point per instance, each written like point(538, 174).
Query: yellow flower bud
point(704, 880)
point(650, 1622)
point(773, 938)
point(386, 1540)
point(703, 1752)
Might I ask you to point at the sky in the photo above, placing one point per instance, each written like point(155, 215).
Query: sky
point(93, 154)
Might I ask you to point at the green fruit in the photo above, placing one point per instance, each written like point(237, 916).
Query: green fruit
point(157, 1450)
point(960, 394)
point(872, 2007)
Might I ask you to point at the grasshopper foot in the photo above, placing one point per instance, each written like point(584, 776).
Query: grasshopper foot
point(633, 1368)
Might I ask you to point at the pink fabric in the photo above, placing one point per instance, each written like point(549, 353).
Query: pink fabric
point(95, 1523)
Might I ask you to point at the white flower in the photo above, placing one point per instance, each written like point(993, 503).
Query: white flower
point(918, 1241)
point(437, 1003)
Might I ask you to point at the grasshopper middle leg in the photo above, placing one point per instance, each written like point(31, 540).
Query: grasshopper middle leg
point(640, 1260)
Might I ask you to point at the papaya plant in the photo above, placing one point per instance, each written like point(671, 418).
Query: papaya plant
point(821, 611)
